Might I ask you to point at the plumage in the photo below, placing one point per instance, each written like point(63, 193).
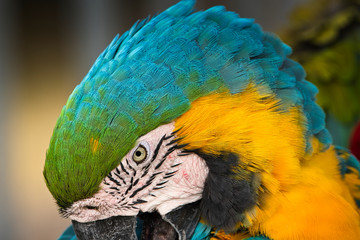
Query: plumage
point(224, 117)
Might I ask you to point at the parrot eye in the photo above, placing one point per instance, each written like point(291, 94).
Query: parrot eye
point(140, 154)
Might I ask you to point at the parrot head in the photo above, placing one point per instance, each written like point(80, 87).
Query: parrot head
point(188, 119)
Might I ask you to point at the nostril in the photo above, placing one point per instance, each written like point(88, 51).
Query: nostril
point(91, 207)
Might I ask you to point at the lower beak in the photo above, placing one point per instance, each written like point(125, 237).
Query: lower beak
point(177, 224)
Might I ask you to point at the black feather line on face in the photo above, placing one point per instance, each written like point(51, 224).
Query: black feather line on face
point(114, 180)
point(156, 152)
point(64, 212)
point(123, 168)
point(168, 152)
point(120, 177)
point(134, 171)
point(225, 197)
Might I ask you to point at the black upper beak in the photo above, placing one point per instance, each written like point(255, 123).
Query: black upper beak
point(177, 224)
point(113, 228)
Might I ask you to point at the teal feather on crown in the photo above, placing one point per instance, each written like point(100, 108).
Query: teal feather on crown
point(150, 75)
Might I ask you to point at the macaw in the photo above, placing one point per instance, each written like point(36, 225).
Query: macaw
point(198, 125)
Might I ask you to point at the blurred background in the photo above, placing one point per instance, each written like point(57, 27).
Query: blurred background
point(46, 48)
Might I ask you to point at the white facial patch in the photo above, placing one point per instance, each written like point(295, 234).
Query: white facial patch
point(156, 175)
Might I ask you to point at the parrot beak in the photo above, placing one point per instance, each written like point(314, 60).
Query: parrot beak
point(118, 227)
point(178, 224)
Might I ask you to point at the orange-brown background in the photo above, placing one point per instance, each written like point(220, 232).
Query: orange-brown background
point(46, 48)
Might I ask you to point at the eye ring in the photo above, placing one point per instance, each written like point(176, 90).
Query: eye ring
point(140, 154)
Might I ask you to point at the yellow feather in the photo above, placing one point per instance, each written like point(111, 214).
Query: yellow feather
point(301, 196)
point(251, 125)
point(320, 206)
point(94, 145)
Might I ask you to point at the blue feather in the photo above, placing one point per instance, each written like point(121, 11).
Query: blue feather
point(202, 232)
point(68, 234)
point(346, 162)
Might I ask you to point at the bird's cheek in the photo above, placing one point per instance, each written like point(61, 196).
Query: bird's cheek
point(185, 175)
point(193, 172)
